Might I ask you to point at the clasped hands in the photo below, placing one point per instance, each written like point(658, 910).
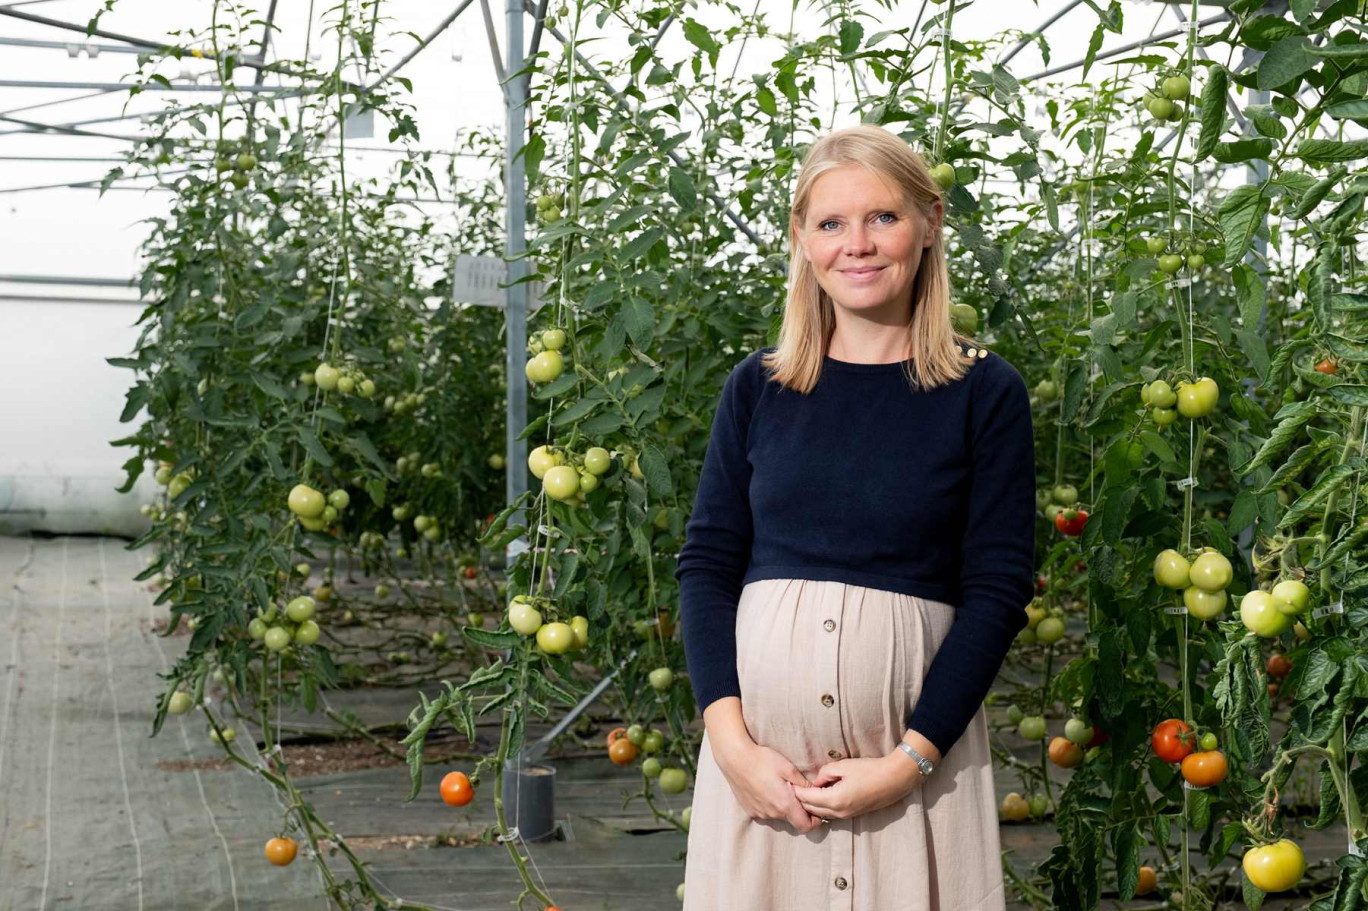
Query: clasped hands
point(769, 786)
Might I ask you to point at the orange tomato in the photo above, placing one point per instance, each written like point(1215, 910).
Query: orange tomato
point(622, 751)
point(281, 851)
point(1148, 881)
point(1065, 753)
point(1328, 367)
point(456, 789)
point(1205, 769)
point(616, 734)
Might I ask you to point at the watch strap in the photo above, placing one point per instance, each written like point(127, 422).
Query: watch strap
point(926, 765)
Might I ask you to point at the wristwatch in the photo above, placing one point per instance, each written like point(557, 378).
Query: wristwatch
point(926, 765)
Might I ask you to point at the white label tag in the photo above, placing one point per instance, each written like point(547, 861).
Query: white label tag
point(1182, 282)
point(1335, 607)
point(1179, 609)
point(1185, 483)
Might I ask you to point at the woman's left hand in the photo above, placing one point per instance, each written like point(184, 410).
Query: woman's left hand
point(848, 787)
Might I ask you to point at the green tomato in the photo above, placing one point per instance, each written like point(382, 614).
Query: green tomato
point(1175, 88)
point(553, 339)
point(673, 781)
point(597, 460)
point(1039, 805)
point(339, 500)
point(545, 367)
point(653, 742)
point(1014, 714)
point(1291, 597)
point(300, 609)
point(1171, 569)
point(1197, 400)
point(1050, 631)
point(1204, 605)
point(308, 633)
point(580, 627)
point(1163, 417)
point(179, 703)
point(1161, 394)
point(1047, 391)
point(245, 162)
point(944, 175)
point(1170, 263)
point(636, 734)
point(1159, 108)
point(382, 591)
point(1078, 731)
point(524, 618)
point(1208, 742)
point(650, 767)
point(306, 502)
point(1211, 572)
point(1156, 244)
point(1065, 494)
point(1032, 727)
point(661, 678)
point(326, 376)
point(541, 460)
point(277, 638)
point(561, 482)
point(555, 638)
point(257, 629)
point(1260, 617)
point(964, 318)
point(1195, 261)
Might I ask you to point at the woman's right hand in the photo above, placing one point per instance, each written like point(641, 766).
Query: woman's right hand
point(759, 779)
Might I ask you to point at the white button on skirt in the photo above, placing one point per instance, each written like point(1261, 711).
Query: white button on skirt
point(829, 670)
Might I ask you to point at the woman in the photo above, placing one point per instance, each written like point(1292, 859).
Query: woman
point(855, 568)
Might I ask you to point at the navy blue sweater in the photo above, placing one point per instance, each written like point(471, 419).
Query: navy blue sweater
point(870, 482)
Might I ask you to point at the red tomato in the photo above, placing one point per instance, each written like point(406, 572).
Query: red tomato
point(1172, 740)
point(622, 751)
point(456, 790)
point(1279, 666)
point(1071, 522)
point(1099, 737)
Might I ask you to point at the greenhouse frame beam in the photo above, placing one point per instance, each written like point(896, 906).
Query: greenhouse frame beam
point(68, 45)
point(1126, 48)
point(112, 36)
point(123, 86)
point(55, 102)
point(516, 294)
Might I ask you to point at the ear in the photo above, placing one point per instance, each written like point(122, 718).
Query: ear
point(934, 223)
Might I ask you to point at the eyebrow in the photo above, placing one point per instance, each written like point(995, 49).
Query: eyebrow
point(877, 210)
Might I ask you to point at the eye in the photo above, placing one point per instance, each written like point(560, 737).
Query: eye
point(880, 215)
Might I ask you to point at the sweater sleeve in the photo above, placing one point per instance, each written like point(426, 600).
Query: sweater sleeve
point(998, 548)
point(717, 546)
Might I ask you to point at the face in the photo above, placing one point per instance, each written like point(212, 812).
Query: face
point(857, 221)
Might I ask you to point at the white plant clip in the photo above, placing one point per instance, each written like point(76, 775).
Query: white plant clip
point(1176, 609)
point(1179, 282)
point(1334, 607)
point(513, 835)
point(1185, 483)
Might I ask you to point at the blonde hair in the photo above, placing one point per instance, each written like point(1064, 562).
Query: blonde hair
point(809, 314)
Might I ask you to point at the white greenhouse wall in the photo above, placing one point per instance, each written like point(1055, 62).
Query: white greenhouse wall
point(60, 404)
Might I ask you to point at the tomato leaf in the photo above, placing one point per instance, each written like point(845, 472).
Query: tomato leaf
point(1351, 394)
point(1317, 193)
point(1242, 150)
point(1126, 846)
point(1285, 61)
point(1252, 894)
point(657, 471)
point(1291, 420)
point(1242, 216)
point(309, 440)
point(1213, 107)
point(1313, 151)
point(1254, 347)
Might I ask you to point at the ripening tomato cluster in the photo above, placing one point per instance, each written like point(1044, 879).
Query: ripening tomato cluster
point(1044, 626)
point(1203, 581)
point(547, 362)
point(347, 380)
point(296, 625)
point(1201, 763)
point(315, 511)
point(553, 638)
point(1162, 103)
point(1060, 505)
point(566, 482)
point(1016, 808)
point(625, 744)
point(1191, 400)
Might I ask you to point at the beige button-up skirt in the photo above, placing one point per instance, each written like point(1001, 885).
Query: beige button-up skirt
point(830, 670)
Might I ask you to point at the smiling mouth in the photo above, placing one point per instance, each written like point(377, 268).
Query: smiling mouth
point(862, 271)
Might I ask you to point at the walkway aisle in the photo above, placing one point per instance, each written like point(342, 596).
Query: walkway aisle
point(88, 819)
